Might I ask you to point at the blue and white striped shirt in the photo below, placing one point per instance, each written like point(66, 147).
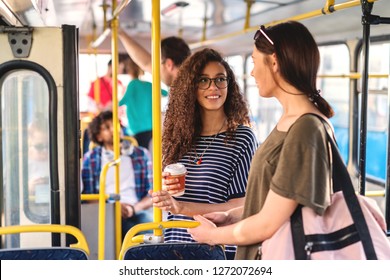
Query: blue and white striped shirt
point(221, 176)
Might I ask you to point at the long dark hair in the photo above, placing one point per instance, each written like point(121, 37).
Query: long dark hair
point(182, 123)
point(298, 57)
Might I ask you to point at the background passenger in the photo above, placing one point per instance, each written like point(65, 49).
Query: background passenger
point(173, 52)
point(39, 160)
point(135, 172)
point(292, 166)
point(100, 97)
point(206, 128)
point(100, 91)
point(138, 101)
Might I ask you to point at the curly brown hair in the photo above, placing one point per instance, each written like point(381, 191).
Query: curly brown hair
point(182, 123)
point(94, 126)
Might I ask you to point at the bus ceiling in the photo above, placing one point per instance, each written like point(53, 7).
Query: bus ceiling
point(225, 22)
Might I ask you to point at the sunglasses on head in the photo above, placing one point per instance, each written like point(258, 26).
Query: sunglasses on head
point(261, 31)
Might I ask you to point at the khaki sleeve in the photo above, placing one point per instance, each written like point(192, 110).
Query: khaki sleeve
point(303, 171)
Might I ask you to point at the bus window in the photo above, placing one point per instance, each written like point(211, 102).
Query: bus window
point(25, 150)
point(236, 62)
point(335, 61)
point(377, 110)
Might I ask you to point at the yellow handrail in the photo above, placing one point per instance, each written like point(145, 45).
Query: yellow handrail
point(130, 139)
point(81, 240)
point(92, 197)
point(116, 163)
point(131, 239)
point(115, 119)
point(352, 75)
point(156, 108)
point(375, 193)
point(318, 12)
point(102, 208)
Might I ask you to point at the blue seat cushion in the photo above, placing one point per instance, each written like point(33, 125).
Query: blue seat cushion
point(175, 251)
point(43, 254)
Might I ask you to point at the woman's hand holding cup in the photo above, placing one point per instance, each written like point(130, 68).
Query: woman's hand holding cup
point(164, 201)
point(174, 179)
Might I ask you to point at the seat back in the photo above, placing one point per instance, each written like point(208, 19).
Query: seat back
point(175, 251)
point(54, 253)
point(77, 251)
point(151, 247)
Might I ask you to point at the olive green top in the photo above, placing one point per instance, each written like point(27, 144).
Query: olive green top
point(295, 165)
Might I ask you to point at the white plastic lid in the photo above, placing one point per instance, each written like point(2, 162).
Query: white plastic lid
point(176, 169)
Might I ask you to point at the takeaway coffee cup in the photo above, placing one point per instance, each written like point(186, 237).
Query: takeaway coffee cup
point(177, 170)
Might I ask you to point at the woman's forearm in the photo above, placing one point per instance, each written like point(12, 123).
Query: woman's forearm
point(191, 208)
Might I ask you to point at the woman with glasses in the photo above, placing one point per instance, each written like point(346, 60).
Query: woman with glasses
point(292, 166)
point(206, 128)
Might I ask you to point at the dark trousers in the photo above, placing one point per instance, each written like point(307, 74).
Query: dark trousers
point(141, 217)
point(144, 138)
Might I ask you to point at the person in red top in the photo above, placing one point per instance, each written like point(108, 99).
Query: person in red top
point(101, 89)
point(100, 96)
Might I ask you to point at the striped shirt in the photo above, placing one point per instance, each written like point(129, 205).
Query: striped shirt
point(221, 176)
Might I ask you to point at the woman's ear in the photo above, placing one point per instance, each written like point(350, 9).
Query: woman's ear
point(274, 63)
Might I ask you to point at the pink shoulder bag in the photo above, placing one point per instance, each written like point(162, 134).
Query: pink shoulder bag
point(352, 227)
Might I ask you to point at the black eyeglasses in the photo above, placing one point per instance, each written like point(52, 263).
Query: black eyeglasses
point(262, 31)
point(220, 82)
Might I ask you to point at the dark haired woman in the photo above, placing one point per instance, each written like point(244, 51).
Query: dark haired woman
point(206, 128)
point(291, 166)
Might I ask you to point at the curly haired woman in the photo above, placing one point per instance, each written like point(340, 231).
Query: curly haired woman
point(206, 128)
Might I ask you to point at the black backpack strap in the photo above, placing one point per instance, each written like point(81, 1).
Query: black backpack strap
point(342, 180)
point(298, 234)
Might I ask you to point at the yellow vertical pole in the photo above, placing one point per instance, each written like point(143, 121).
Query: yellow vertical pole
point(115, 63)
point(205, 19)
point(156, 108)
point(248, 14)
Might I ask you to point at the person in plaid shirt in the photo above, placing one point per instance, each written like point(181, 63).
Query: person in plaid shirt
point(135, 172)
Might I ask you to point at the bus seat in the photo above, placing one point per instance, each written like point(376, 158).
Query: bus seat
point(84, 141)
point(130, 139)
point(133, 249)
point(175, 251)
point(54, 253)
point(76, 251)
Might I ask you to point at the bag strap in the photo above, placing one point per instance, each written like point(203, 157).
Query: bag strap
point(298, 234)
point(341, 181)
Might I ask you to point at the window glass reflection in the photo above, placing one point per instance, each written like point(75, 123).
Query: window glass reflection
point(25, 146)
